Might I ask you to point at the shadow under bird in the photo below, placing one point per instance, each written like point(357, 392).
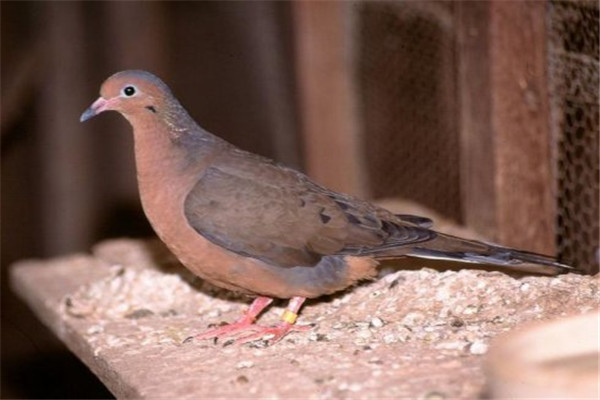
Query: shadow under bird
point(245, 223)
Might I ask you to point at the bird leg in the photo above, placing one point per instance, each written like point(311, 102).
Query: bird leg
point(246, 322)
point(277, 332)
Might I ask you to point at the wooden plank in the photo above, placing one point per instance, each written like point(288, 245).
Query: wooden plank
point(327, 110)
point(476, 137)
point(271, 45)
point(137, 36)
point(68, 206)
point(525, 187)
point(125, 310)
point(507, 183)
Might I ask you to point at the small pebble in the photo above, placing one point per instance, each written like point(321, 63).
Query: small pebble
point(339, 325)
point(390, 338)
point(364, 334)
point(470, 309)
point(455, 345)
point(355, 387)
point(244, 364)
point(404, 334)
point(139, 313)
point(434, 396)
point(318, 337)
point(413, 319)
point(457, 322)
point(478, 347)
point(376, 323)
point(375, 360)
point(95, 329)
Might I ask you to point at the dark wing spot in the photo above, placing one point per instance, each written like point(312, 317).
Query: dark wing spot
point(342, 205)
point(151, 108)
point(352, 219)
point(324, 217)
point(388, 227)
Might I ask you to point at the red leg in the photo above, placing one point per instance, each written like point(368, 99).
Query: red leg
point(246, 322)
point(278, 332)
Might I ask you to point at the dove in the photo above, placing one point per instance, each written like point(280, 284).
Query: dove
point(250, 225)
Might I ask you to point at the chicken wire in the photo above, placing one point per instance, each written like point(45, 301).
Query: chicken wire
point(405, 73)
point(573, 59)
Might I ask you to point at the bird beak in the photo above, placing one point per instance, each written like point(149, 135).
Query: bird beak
point(96, 108)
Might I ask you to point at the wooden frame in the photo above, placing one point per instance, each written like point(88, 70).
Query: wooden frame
point(507, 187)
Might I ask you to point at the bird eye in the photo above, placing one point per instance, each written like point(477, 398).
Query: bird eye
point(128, 91)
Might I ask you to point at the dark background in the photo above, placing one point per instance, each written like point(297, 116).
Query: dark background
point(473, 109)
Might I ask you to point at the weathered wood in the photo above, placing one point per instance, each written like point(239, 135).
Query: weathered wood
point(137, 36)
point(508, 187)
point(126, 310)
point(525, 186)
point(68, 208)
point(477, 145)
point(325, 82)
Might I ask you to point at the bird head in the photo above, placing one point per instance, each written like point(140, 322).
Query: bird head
point(132, 93)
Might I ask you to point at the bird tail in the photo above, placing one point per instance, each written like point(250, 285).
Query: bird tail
point(451, 248)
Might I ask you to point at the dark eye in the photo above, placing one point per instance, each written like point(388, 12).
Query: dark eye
point(129, 91)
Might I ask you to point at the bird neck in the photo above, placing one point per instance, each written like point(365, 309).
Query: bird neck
point(171, 154)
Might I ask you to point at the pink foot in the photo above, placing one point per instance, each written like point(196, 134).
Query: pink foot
point(245, 323)
point(224, 331)
point(274, 333)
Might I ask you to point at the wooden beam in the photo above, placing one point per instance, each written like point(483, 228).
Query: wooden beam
point(476, 136)
point(137, 37)
point(327, 112)
point(126, 309)
point(508, 186)
point(526, 201)
point(68, 206)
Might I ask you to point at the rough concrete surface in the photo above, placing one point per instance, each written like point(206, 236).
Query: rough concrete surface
point(417, 332)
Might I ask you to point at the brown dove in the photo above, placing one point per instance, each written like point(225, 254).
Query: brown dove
point(247, 224)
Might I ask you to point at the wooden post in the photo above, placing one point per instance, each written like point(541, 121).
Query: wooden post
point(136, 34)
point(326, 95)
point(476, 137)
point(67, 202)
point(507, 171)
point(526, 198)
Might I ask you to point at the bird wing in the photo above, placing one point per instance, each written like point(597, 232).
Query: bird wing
point(256, 208)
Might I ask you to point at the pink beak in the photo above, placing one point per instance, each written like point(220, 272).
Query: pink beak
point(96, 108)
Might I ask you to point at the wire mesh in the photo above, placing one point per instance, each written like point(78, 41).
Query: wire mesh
point(405, 73)
point(573, 59)
point(405, 59)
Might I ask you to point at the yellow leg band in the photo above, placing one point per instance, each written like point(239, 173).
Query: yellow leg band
point(289, 317)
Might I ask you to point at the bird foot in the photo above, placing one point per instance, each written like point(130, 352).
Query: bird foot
point(235, 328)
point(273, 334)
point(246, 323)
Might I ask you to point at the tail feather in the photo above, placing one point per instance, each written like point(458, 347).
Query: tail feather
point(451, 248)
